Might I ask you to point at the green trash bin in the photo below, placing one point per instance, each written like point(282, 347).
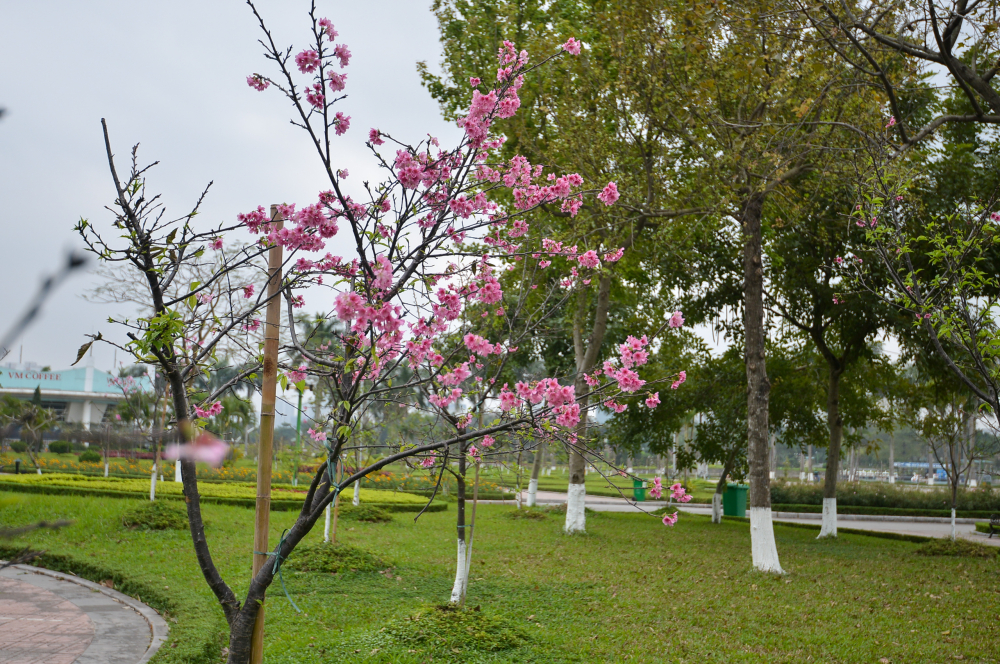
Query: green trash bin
point(734, 500)
point(639, 490)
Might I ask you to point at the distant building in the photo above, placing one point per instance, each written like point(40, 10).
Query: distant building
point(79, 395)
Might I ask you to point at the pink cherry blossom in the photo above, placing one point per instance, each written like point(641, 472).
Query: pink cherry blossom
point(297, 376)
point(474, 81)
point(343, 123)
point(676, 319)
point(670, 519)
point(307, 61)
point(572, 46)
point(488, 441)
point(248, 291)
point(315, 96)
point(589, 259)
point(609, 194)
point(336, 81)
point(656, 491)
point(653, 400)
point(318, 436)
point(375, 137)
point(258, 82)
point(211, 411)
point(427, 462)
point(681, 377)
point(327, 26)
point(614, 256)
point(217, 243)
point(343, 54)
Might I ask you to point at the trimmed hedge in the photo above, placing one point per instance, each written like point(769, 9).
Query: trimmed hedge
point(60, 447)
point(881, 511)
point(983, 527)
point(863, 494)
point(221, 494)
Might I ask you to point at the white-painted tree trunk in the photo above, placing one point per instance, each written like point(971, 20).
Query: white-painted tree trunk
point(38, 470)
point(829, 527)
point(763, 547)
point(952, 524)
point(152, 484)
point(357, 494)
point(105, 468)
point(576, 517)
point(177, 471)
point(716, 508)
point(326, 527)
point(461, 575)
point(532, 493)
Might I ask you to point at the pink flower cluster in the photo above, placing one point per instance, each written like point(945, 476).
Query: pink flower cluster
point(681, 377)
point(318, 436)
point(297, 376)
point(211, 411)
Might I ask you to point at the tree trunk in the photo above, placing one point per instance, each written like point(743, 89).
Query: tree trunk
point(586, 359)
point(460, 572)
point(892, 457)
point(809, 463)
point(763, 548)
point(836, 423)
point(536, 467)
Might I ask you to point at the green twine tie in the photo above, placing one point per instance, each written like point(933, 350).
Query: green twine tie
point(278, 558)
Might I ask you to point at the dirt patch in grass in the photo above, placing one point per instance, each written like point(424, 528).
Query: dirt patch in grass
point(333, 558)
point(155, 515)
point(961, 548)
point(366, 513)
point(529, 514)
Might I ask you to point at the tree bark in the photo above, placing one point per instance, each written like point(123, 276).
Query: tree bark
point(536, 467)
point(460, 572)
point(764, 550)
point(892, 457)
point(835, 422)
point(586, 359)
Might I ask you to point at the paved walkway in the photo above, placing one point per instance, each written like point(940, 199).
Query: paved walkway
point(921, 528)
point(52, 618)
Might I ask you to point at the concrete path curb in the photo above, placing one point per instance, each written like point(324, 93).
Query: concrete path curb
point(158, 628)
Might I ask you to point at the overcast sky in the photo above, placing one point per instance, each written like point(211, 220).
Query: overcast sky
point(172, 76)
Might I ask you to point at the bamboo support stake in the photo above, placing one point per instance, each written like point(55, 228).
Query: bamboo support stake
point(262, 516)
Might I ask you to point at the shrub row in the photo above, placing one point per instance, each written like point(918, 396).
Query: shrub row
point(224, 494)
point(862, 494)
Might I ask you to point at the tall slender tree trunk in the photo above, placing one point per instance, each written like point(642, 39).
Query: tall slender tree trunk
point(764, 550)
point(536, 468)
point(892, 457)
point(836, 424)
point(460, 572)
point(809, 463)
point(586, 359)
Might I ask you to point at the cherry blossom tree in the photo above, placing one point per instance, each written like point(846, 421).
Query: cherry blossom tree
point(428, 248)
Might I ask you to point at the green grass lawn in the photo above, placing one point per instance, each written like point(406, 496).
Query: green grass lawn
point(629, 590)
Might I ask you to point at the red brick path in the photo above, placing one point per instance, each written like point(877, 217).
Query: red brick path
point(39, 627)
